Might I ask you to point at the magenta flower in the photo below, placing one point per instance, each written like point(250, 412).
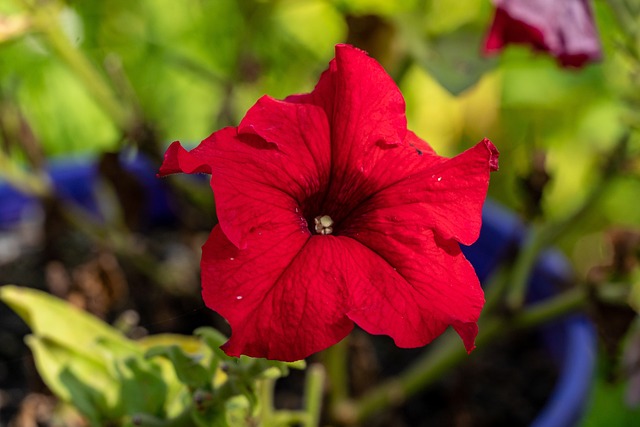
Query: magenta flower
point(564, 28)
point(332, 213)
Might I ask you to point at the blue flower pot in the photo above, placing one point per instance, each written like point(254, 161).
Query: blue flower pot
point(571, 341)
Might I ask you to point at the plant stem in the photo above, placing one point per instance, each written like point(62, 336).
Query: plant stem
point(553, 308)
point(265, 393)
point(448, 354)
point(535, 241)
point(336, 363)
point(313, 392)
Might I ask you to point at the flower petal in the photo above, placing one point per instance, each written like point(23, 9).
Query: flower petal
point(396, 210)
point(362, 102)
point(444, 195)
point(411, 227)
point(566, 29)
point(177, 159)
point(262, 173)
point(284, 295)
point(422, 285)
point(366, 113)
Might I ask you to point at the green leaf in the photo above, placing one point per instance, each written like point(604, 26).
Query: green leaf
point(213, 339)
point(56, 320)
point(86, 362)
point(607, 406)
point(238, 411)
point(188, 368)
point(141, 386)
point(274, 369)
point(76, 378)
point(454, 60)
point(188, 343)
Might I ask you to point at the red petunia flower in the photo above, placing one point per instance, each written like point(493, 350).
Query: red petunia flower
point(564, 28)
point(331, 212)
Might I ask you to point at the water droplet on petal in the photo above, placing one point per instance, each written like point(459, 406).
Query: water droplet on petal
point(439, 178)
point(239, 297)
point(297, 210)
point(232, 259)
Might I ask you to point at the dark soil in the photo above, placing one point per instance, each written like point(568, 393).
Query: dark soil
point(504, 384)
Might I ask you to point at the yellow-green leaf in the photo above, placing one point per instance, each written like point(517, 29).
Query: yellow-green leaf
point(56, 320)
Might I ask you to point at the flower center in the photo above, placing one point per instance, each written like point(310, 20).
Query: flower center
point(323, 224)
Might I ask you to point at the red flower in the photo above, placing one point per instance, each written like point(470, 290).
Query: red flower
point(331, 212)
point(564, 28)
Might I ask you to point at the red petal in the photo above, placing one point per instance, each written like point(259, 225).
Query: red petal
point(418, 285)
point(444, 195)
point(362, 102)
point(505, 30)
point(177, 159)
point(566, 29)
point(394, 268)
point(409, 226)
point(366, 112)
point(259, 187)
point(262, 174)
point(284, 295)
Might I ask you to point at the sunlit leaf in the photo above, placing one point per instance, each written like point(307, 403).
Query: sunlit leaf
point(432, 112)
point(76, 378)
point(238, 411)
point(455, 62)
point(188, 368)
point(55, 320)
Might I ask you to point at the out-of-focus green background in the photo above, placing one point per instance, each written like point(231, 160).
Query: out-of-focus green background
point(187, 68)
point(78, 78)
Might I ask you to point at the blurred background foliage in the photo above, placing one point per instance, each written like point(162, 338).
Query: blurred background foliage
point(180, 70)
point(83, 78)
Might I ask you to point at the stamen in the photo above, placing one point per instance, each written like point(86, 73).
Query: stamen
point(323, 224)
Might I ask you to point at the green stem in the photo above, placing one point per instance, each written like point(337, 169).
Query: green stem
point(563, 303)
point(313, 392)
point(495, 288)
point(45, 19)
point(336, 364)
point(430, 367)
point(536, 240)
point(265, 391)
